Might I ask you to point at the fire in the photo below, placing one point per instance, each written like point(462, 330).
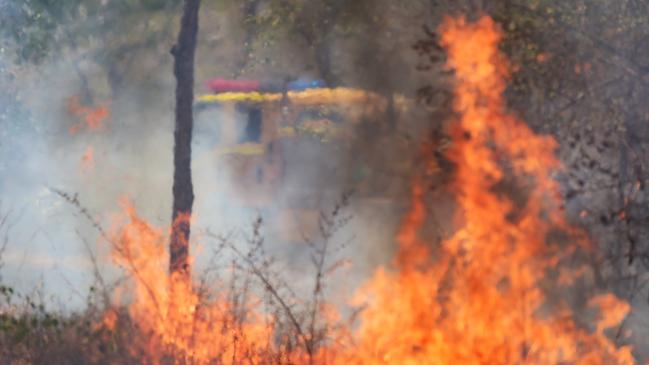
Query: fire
point(182, 325)
point(89, 117)
point(478, 301)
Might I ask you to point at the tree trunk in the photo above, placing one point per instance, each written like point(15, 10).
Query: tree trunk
point(249, 17)
point(183, 192)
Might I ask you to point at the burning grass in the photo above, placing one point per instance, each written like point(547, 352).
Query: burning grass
point(483, 299)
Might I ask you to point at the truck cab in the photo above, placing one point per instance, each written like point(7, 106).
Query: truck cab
point(262, 135)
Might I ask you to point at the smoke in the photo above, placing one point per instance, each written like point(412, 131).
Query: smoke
point(130, 155)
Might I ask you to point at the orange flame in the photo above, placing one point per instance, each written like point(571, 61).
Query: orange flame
point(479, 302)
point(92, 118)
point(180, 323)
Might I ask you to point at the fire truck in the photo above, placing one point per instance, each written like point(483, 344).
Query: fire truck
point(282, 143)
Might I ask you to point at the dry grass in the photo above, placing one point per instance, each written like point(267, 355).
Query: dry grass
point(105, 332)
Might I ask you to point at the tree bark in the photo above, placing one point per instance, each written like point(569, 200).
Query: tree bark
point(249, 20)
point(183, 192)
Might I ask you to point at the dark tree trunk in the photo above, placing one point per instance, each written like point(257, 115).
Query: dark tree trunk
point(183, 191)
point(249, 16)
point(323, 57)
point(317, 30)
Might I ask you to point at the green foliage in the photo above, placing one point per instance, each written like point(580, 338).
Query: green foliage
point(31, 26)
point(35, 29)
